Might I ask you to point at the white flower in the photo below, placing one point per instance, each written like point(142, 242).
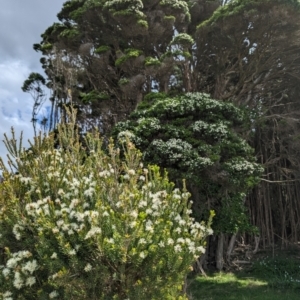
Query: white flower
point(61, 192)
point(92, 232)
point(7, 294)
point(86, 205)
point(176, 197)
point(149, 211)
point(54, 255)
point(177, 218)
point(18, 281)
point(89, 192)
point(55, 230)
point(5, 272)
point(65, 227)
point(142, 241)
point(142, 178)
point(134, 214)
point(30, 266)
point(170, 241)
point(201, 249)
point(132, 224)
point(105, 214)
point(72, 252)
point(52, 277)
point(94, 214)
point(177, 248)
point(60, 222)
point(149, 226)
point(178, 230)
point(74, 203)
point(57, 201)
point(142, 254)
point(156, 214)
point(56, 174)
point(189, 242)
point(180, 240)
point(12, 263)
point(126, 176)
point(182, 222)
point(53, 294)
point(210, 231)
point(88, 268)
point(161, 244)
point(155, 206)
point(131, 172)
point(192, 249)
point(46, 210)
point(25, 180)
point(142, 203)
point(105, 174)
point(123, 136)
point(16, 230)
point(30, 281)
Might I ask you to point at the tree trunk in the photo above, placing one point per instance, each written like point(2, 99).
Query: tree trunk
point(230, 247)
point(219, 254)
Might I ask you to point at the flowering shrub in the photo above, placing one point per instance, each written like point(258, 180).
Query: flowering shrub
point(194, 137)
point(77, 222)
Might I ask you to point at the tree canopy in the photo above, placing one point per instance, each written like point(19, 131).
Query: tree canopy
point(109, 58)
point(105, 56)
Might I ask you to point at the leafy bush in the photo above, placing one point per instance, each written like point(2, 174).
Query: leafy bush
point(77, 222)
point(194, 137)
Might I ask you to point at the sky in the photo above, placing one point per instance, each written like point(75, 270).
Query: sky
point(21, 25)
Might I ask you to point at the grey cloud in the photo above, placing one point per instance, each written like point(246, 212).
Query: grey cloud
point(21, 24)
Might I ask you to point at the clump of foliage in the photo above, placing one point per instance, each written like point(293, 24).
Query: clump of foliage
point(117, 48)
point(193, 137)
point(80, 223)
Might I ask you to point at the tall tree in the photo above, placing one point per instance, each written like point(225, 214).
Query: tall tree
point(35, 85)
point(248, 52)
point(105, 56)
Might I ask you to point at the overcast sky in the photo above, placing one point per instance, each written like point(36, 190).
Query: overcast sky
point(21, 24)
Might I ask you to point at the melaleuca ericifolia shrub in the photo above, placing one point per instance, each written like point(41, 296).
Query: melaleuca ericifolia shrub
point(92, 226)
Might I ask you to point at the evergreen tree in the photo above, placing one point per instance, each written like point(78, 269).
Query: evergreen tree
point(104, 57)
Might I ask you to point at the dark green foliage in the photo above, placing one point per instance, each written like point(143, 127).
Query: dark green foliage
point(120, 48)
point(193, 137)
point(33, 79)
point(93, 96)
point(241, 6)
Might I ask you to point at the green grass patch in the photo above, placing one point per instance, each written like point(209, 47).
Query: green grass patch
point(269, 278)
point(222, 286)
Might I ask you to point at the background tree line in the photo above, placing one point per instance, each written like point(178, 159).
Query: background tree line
point(137, 61)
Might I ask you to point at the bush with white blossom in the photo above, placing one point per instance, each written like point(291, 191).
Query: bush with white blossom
point(197, 138)
point(79, 222)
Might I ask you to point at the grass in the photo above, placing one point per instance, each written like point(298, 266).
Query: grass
point(268, 279)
